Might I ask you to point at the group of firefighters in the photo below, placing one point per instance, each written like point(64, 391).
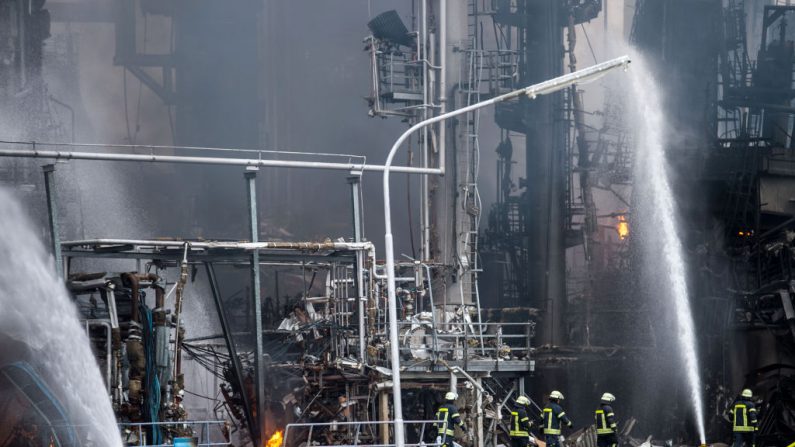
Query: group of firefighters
point(553, 418)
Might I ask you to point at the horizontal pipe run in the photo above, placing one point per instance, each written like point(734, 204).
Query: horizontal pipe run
point(311, 246)
point(217, 161)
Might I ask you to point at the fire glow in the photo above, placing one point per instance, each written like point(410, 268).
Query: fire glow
point(275, 440)
point(622, 227)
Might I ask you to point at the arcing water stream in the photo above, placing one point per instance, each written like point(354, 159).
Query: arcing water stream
point(659, 222)
point(36, 312)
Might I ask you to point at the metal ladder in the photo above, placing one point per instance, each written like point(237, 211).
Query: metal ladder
point(468, 170)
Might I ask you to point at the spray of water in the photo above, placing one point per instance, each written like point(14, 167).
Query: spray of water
point(38, 314)
point(659, 222)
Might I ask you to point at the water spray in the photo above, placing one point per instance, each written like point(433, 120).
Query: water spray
point(661, 222)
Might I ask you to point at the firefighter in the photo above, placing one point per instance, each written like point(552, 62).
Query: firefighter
point(744, 420)
point(520, 423)
point(448, 417)
point(606, 435)
point(553, 418)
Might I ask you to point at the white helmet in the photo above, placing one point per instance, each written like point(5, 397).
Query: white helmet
point(181, 394)
point(451, 395)
point(523, 400)
point(556, 395)
point(747, 393)
point(607, 397)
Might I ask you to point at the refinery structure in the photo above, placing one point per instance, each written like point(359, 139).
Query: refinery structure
point(397, 223)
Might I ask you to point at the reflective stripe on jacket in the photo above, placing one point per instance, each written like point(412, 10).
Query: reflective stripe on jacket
point(552, 417)
point(605, 420)
point(520, 423)
point(743, 416)
point(448, 417)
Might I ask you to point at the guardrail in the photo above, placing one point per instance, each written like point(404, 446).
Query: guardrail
point(490, 340)
point(135, 433)
point(360, 433)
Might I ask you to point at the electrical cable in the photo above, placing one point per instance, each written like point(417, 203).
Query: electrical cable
point(587, 39)
point(202, 396)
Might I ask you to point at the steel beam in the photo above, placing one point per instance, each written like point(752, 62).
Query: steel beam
point(251, 188)
point(52, 212)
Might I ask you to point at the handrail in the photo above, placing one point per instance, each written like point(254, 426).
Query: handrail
point(204, 438)
point(356, 426)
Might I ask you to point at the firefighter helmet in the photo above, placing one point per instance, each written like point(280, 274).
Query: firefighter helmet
point(607, 397)
point(556, 395)
point(747, 393)
point(451, 396)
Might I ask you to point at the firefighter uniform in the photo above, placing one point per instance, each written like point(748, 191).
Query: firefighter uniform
point(448, 417)
point(553, 418)
point(744, 420)
point(606, 426)
point(520, 423)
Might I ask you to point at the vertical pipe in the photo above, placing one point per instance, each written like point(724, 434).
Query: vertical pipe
point(383, 415)
point(425, 209)
point(357, 237)
point(479, 408)
point(52, 212)
point(442, 81)
point(22, 11)
point(251, 187)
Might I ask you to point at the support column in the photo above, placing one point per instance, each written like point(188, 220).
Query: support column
point(52, 212)
point(251, 187)
point(355, 182)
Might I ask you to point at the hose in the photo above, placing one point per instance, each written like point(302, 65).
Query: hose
point(152, 398)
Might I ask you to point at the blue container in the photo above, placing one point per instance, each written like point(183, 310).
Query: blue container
point(184, 442)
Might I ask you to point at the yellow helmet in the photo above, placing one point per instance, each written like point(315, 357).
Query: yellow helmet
point(607, 397)
point(450, 396)
point(523, 400)
point(556, 395)
point(747, 393)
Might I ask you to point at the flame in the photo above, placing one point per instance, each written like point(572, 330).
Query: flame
point(275, 440)
point(622, 227)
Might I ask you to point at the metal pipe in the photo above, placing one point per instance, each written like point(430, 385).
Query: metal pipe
point(361, 298)
point(307, 246)
point(532, 92)
point(425, 209)
point(132, 279)
point(442, 81)
point(479, 414)
point(251, 189)
point(108, 347)
point(179, 159)
point(180, 287)
point(52, 213)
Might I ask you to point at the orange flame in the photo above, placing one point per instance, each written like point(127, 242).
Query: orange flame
point(275, 440)
point(622, 228)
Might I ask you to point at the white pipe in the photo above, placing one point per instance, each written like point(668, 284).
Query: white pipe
point(442, 81)
point(311, 246)
point(65, 155)
point(532, 91)
point(425, 207)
